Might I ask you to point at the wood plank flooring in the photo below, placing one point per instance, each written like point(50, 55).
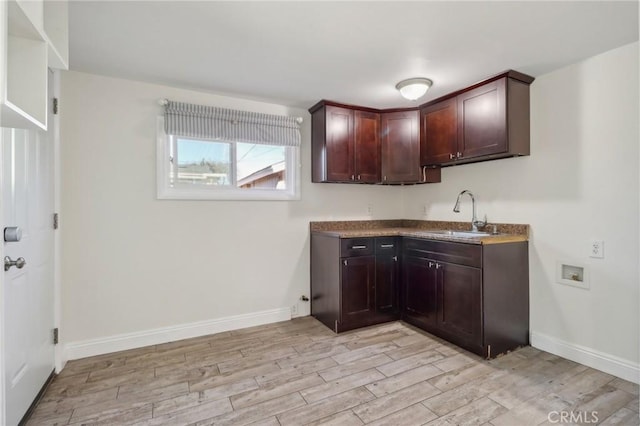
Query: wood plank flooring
point(298, 372)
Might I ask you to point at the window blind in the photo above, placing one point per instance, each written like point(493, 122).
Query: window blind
point(207, 122)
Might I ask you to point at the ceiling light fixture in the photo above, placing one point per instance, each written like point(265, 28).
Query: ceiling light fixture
point(414, 88)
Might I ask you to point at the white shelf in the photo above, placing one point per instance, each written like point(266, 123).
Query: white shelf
point(36, 39)
point(26, 91)
point(26, 18)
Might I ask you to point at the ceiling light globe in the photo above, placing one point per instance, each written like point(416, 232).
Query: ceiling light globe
point(414, 88)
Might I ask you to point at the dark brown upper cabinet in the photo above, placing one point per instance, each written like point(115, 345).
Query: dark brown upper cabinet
point(367, 146)
point(339, 148)
point(361, 145)
point(486, 121)
point(482, 127)
point(345, 145)
point(400, 147)
point(439, 132)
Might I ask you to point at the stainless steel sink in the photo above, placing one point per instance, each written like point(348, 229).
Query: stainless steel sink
point(467, 234)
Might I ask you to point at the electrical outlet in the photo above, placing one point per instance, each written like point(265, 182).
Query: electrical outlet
point(294, 310)
point(597, 249)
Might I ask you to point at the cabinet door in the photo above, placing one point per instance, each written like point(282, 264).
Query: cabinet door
point(386, 294)
point(460, 302)
point(482, 120)
point(400, 147)
point(367, 147)
point(339, 144)
point(439, 132)
point(358, 278)
point(419, 291)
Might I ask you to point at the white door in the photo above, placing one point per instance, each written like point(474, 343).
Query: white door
point(27, 306)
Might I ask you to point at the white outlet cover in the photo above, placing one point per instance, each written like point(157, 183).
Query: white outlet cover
point(596, 249)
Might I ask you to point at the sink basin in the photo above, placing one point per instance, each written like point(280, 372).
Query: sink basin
point(468, 234)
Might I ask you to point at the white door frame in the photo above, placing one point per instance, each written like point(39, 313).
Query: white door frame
point(60, 357)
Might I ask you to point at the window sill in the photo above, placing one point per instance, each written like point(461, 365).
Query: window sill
point(228, 195)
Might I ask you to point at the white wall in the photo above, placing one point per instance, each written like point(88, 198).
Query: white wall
point(131, 263)
point(580, 183)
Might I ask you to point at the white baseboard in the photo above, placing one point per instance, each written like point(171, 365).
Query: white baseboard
point(121, 342)
point(60, 358)
point(599, 360)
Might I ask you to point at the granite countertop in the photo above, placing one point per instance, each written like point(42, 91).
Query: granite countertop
point(507, 233)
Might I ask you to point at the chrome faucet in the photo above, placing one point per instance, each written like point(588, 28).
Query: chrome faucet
point(474, 220)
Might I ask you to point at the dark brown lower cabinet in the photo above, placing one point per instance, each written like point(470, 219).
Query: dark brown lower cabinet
point(476, 296)
point(354, 281)
point(387, 286)
point(419, 291)
point(479, 293)
point(459, 296)
point(357, 277)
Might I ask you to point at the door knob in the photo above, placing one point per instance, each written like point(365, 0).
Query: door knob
point(18, 263)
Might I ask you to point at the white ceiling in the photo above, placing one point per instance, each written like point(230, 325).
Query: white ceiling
point(296, 53)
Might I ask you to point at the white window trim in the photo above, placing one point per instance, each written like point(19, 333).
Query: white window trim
point(166, 192)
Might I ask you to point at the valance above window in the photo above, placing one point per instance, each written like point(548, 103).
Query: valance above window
point(206, 122)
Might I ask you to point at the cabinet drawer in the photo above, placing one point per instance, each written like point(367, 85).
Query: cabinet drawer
point(350, 247)
point(387, 245)
point(458, 253)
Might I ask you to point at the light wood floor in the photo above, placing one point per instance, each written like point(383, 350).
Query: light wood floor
point(298, 372)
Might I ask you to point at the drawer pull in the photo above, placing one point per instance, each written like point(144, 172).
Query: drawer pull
point(386, 245)
point(358, 247)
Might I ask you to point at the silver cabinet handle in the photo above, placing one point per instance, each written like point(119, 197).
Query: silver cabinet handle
point(430, 264)
point(386, 245)
point(395, 258)
point(451, 156)
point(458, 154)
point(438, 266)
point(358, 177)
point(358, 247)
point(353, 177)
point(18, 263)
point(344, 262)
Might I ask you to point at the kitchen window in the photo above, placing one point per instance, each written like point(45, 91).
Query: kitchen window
point(197, 167)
